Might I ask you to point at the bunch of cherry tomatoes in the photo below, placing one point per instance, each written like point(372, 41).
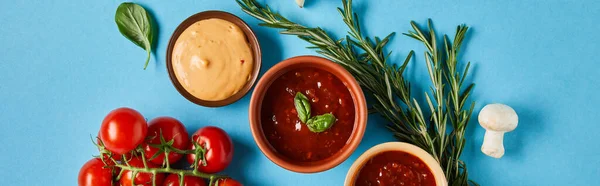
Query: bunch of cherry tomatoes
point(132, 152)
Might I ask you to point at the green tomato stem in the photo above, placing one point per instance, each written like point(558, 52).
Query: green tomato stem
point(168, 164)
point(133, 175)
point(153, 178)
point(165, 147)
point(171, 171)
point(181, 177)
point(211, 182)
point(143, 155)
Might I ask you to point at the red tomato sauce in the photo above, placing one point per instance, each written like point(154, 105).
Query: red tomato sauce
point(284, 130)
point(395, 168)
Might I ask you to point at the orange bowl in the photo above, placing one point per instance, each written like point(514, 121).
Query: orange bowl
point(360, 107)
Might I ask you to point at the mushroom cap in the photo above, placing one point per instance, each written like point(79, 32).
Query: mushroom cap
point(498, 117)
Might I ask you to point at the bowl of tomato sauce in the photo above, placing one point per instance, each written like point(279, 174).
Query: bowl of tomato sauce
point(395, 163)
point(319, 139)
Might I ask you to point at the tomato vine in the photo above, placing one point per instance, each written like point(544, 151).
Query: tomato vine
point(165, 147)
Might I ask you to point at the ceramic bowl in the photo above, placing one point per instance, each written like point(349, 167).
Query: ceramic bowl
point(250, 36)
point(323, 64)
point(436, 169)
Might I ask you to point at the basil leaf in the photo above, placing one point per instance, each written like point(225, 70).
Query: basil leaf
point(320, 123)
point(302, 107)
point(136, 25)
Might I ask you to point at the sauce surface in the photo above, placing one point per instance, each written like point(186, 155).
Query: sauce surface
point(395, 168)
point(212, 59)
point(284, 130)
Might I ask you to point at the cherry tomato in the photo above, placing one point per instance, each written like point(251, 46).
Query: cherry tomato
point(122, 130)
point(144, 179)
point(94, 173)
point(228, 182)
point(171, 129)
point(173, 180)
point(218, 146)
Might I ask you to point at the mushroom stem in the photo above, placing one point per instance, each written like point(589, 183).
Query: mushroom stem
point(496, 119)
point(493, 144)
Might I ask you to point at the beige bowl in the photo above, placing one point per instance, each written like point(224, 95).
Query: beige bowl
point(436, 169)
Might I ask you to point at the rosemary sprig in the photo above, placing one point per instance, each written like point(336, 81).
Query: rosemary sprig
point(370, 67)
point(447, 106)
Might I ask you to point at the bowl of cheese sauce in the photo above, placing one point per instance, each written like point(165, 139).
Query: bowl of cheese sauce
point(213, 58)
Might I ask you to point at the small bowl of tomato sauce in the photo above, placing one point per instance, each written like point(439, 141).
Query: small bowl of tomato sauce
point(329, 132)
point(395, 163)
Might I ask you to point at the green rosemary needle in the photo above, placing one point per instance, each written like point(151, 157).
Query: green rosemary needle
point(366, 59)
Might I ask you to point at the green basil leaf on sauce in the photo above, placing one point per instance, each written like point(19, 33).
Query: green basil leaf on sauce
point(135, 24)
point(320, 123)
point(302, 107)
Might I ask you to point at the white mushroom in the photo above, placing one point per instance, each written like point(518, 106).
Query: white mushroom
point(300, 3)
point(497, 119)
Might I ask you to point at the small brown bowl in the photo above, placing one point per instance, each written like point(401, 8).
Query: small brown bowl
point(434, 166)
point(275, 72)
point(250, 36)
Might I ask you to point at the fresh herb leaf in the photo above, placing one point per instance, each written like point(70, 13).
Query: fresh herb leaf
point(135, 24)
point(302, 107)
point(315, 124)
point(320, 123)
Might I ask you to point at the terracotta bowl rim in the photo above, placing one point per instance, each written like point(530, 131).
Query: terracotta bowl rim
point(434, 166)
point(252, 41)
point(358, 98)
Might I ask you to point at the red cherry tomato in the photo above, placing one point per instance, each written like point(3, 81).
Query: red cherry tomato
point(94, 173)
point(173, 180)
point(218, 146)
point(228, 182)
point(171, 129)
point(122, 130)
point(144, 179)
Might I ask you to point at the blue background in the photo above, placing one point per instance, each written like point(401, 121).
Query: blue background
point(64, 66)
